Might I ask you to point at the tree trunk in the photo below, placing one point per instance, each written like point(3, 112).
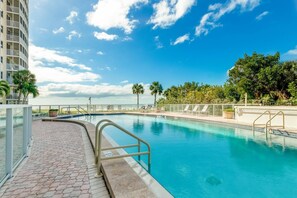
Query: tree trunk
point(137, 101)
point(19, 97)
point(25, 98)
point(155, 100)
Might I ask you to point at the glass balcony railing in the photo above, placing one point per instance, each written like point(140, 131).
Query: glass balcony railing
point(13, 9)
point(12, 52)
point(12, 23)
point(11, 37)
point(12, 67)
point(15, 137)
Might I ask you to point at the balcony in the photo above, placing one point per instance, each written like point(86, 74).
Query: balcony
point(11, 52)
point(11, 37)
point(13, 9)
point(11, 23)
point(12, 67)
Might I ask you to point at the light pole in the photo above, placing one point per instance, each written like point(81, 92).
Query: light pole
point(90, 100)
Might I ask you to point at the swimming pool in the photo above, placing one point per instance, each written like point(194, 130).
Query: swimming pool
point(200, 159)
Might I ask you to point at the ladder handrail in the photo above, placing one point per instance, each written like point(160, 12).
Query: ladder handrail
point(254, 123)
point(96, 137)
point(266, 126)
point(99, 143)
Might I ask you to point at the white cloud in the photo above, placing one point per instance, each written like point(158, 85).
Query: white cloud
point(290, 55)
point(167, 12)
point(72, 16)
point(59, 30)
point(158, 42)
point(79, 90)
point(127, 38)
point(210, 20)
point(100, 53)
point(214, 6)
point(43, 29)
point(260, 16)
point(108, 14)
point(124, 82)
point(72, 34)
point(181, 39)
point(40, 54)
point(106, 68)
point(105, 36)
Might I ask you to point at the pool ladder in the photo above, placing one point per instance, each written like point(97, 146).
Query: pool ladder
point(268, 125)
point(99, 149)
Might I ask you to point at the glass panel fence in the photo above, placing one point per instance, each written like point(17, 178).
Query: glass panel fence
point(18, 133)
point(15, 137)
point(2, 143)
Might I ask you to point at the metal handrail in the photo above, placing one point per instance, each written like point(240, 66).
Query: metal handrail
point(96, 137)
point(254, 123)
point(98, 148)
point(269, 121)
point(77, 108)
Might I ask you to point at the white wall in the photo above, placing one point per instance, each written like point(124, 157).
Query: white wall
point(249, 114)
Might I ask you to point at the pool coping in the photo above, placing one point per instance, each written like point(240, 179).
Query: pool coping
point(153, 187)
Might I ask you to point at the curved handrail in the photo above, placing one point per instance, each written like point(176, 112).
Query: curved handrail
point(269, 121)
point(254, 123)
point(77, 108)
point(99, 140)
point(96, 137)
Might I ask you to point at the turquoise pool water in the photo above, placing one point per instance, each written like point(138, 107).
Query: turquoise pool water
point(197, 159)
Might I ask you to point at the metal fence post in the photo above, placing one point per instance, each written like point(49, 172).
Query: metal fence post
point(29, 125)
point(25, 130)
point(9, 142)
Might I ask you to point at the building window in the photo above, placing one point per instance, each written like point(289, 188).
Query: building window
point(1, 59)
point(1, 28)
point(1, 44)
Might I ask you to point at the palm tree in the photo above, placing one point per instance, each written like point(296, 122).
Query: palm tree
point(4, 89)
point(29, 88)
point(22, 79)
point(156, 88)
point(137, 89)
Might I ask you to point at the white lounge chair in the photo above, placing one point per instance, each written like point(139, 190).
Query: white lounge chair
point(204, 110)
point(195, 109)
point(186, 109)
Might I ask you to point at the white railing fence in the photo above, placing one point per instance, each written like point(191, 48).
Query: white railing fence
point(71, 109)
point(42, 110)
point(15, 137)
point(198, 109)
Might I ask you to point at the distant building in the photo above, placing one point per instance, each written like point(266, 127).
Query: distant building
point(14, 38)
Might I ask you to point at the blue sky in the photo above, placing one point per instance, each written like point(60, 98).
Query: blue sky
point(99, 48)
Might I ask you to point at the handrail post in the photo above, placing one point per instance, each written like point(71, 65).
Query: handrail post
point(96, 138)
point(138, 150)
point(99, 152)
point(9, 142)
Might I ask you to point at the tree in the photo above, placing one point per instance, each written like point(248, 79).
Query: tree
point(245, 73)
point(29, 88)
point(4, 89)
point(25, 82)
point(137, 89)
point(156, 88)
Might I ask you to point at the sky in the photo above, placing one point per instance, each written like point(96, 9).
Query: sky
point(100, 48)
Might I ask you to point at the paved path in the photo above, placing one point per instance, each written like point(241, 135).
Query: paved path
point(57, 165)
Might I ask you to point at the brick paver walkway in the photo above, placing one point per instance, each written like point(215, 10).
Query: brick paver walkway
point(57, 165)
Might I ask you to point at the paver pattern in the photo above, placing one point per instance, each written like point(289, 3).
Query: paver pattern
point(56, 167)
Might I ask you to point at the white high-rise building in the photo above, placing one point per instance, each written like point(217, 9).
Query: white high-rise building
point(14, 38)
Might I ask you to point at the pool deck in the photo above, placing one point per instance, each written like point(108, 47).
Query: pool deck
point(59, 165)
point(195, 117)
